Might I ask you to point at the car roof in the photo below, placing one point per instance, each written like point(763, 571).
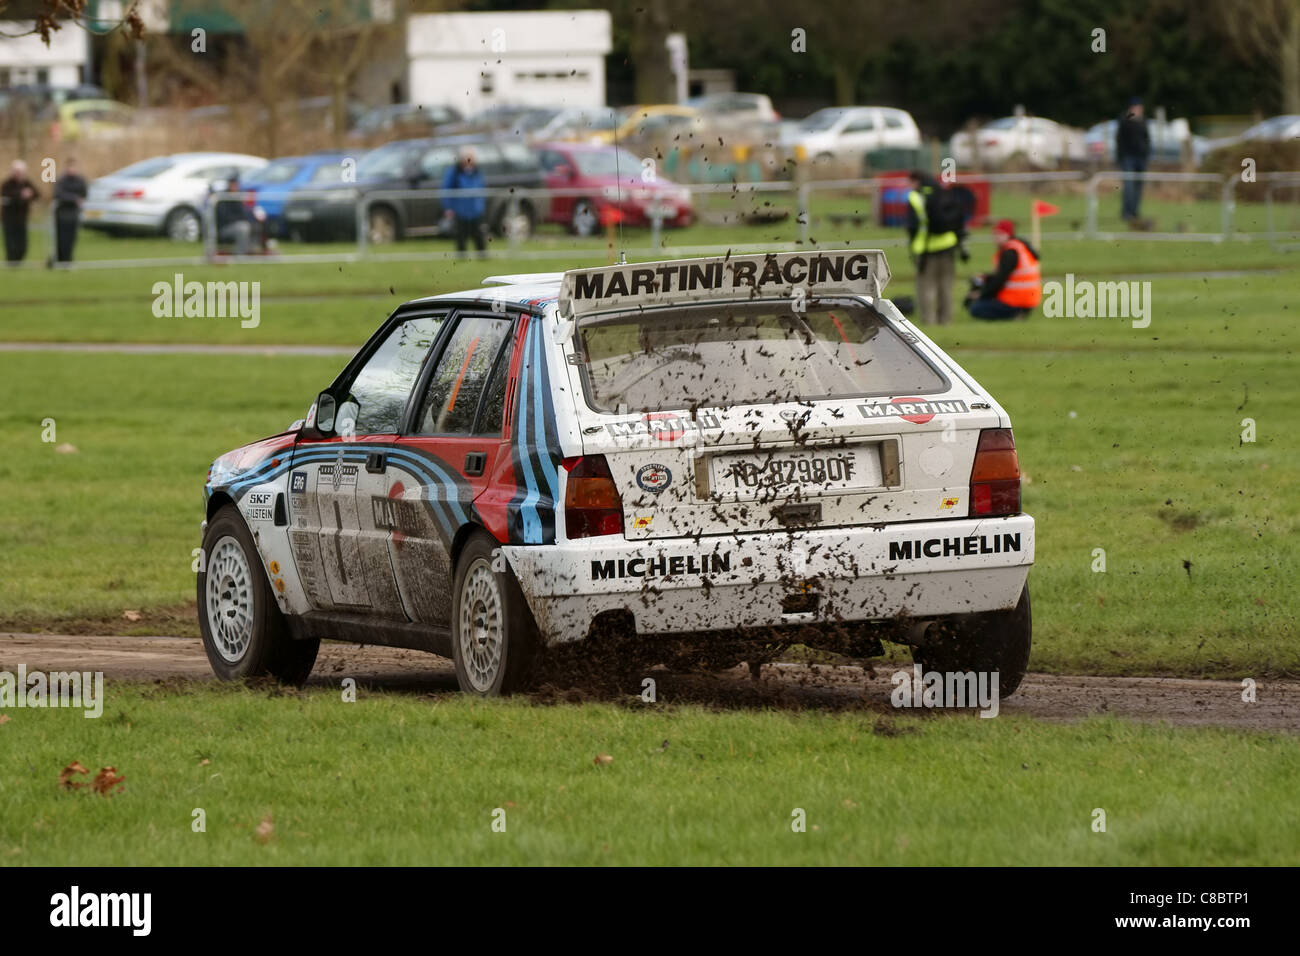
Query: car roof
point(533, 289)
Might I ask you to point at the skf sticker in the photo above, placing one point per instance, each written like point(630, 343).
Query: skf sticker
point(949, 504)
point(653, 478)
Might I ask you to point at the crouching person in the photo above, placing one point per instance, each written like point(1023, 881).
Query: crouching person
point(1015, 287)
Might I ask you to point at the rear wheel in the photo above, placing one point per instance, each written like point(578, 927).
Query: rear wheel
point(992, 641)
point(244, 633)
point(183, 225)
point(494, 640)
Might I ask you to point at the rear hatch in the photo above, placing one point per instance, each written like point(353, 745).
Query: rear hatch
point(726, 418)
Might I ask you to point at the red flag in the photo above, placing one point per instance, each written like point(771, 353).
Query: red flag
point(1044, 208)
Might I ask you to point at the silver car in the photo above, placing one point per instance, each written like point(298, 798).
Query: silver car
point(163, 195)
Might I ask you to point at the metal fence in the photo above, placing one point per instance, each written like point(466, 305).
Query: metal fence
point(783, 215)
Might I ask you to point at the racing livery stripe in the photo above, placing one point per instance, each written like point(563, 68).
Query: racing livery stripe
point(535, 454)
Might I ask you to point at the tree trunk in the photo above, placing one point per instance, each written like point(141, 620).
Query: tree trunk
point(650, 60)
point(845, 84)
point(1289, 74)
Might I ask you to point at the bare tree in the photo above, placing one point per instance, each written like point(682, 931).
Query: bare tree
point(1268, 30)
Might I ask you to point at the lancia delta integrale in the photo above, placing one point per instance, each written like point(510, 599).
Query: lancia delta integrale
point(741, 452)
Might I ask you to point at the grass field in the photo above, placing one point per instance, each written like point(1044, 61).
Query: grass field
point(394, 779)
point(1131, 440)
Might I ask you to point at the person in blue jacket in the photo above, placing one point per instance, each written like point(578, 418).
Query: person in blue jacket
point(466, 211)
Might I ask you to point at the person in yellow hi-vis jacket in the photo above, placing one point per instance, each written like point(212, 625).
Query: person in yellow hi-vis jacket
point(934, 232)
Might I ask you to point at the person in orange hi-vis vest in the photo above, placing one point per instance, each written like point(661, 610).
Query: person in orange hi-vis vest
point(1015, 287)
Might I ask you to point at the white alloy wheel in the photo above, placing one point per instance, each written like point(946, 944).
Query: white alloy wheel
point(482, 626)
point(229, 600)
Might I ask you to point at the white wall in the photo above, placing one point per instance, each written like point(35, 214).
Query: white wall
point(23, 55)
point(553, 57)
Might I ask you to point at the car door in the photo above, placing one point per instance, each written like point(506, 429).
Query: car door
point(423, 213)
point(338, 535)
point(453, 451)
point(859, 135)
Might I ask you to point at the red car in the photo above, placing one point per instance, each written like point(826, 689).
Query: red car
point(620, 185)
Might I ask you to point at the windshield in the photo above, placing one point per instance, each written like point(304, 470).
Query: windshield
point(606, 162)
point(147, 169)
point(1007, 122)
point(746, 354)
point(821, 120)
point(384, 163)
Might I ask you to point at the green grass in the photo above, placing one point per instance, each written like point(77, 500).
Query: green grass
point(1151, 467)
point(397, 779)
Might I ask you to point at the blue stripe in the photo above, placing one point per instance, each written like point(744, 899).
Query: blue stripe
point(532, 523)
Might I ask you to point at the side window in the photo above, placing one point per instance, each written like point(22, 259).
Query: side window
point(434, 163)
point(493, 415)
point(379, 392)
point(458, 380)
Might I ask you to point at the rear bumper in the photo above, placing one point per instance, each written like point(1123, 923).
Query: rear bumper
point(918, 570)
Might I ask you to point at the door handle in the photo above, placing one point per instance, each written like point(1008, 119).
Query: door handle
point(475, 462)
point(376, 462)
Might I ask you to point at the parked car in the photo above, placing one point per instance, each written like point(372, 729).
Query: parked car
point(404, 120)
point(736, 109)
point(419, 165)
point(616, 185)
point(577, 124)
point(642, 124)
point(89, 119)
point(845, 134)
point(1039, 142)
point(706, 455)
point(163, 195)
point(275, 182)
point(1167, 141)
point(1277, 129)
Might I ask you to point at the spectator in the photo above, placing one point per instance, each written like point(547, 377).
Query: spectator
point(69, 194)
point(16, 196)
point(466, 211)
point(1015, 287)
point(1133, 150)
point(234, 219)
point(933, 252)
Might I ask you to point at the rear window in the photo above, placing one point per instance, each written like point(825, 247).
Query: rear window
point(747, 354)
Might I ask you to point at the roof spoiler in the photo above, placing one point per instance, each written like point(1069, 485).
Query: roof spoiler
point(723, 278)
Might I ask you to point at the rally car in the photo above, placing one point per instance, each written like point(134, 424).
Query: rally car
point(749, 450)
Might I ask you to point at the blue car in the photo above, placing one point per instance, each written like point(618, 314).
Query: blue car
point(278, 179)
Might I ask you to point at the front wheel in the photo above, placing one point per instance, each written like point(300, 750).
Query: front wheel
point(244, 633)
point(183, 225)
point(494, 640)
point(993, 641)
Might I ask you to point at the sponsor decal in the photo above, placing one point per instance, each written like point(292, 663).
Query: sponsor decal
point(948, 504)
point(661, 566)
point(257, 506)
point(918, 411)
point(654, 477)
point(861, 272)
point(298, 482)
point(665, 426)
point(398, 515)
point(641, 522)
point(954, 547)
point(338, 474)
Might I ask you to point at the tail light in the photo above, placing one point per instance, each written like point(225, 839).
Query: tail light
point(128, 194)
point(995, 476)
point(592, 505)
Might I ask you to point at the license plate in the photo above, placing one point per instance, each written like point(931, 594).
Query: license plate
point(810, 471)
point(93, 213)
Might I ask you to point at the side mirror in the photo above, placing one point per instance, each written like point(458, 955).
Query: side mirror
point(325, 409)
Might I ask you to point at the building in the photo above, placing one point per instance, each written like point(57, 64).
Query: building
point(475, 60)
point(26, 60)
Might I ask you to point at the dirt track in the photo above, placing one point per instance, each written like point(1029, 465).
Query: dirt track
point(795, 686)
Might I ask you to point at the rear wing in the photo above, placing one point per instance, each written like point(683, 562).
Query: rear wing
point(723, 278)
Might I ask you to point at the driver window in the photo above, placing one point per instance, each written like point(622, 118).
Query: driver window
point(381, 388)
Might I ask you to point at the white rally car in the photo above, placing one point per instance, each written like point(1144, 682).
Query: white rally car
point(745, 451)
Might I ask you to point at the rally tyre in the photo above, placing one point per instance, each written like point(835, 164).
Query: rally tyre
point(244, 633)
point(991, 641)
point(494, 640)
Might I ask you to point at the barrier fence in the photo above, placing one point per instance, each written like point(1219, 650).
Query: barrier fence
point(749, 216)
